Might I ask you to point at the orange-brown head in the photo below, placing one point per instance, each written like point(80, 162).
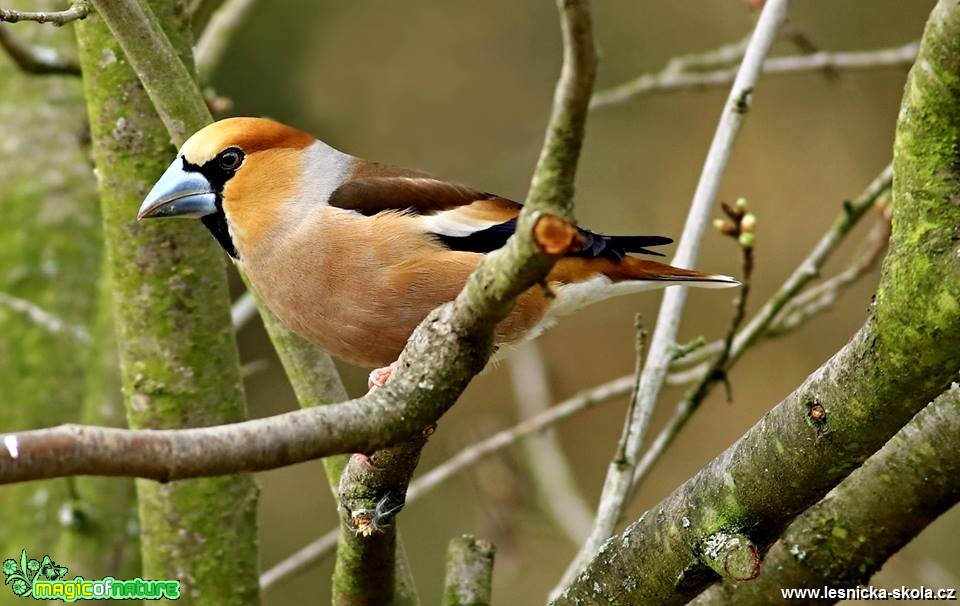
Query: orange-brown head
point(239, 175)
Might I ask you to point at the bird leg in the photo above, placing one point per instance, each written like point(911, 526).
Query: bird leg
point(379, 377)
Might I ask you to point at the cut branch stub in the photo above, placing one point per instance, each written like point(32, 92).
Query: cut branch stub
point(555, 235)
point(732, 556)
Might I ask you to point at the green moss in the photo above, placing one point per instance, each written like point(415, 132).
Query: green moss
point(179, 363)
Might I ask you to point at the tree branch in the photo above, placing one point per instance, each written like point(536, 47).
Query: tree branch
point(897, 493)
point(469, 580)
point(44, 318)
point(557, 490)
point(39, 60)
point(850, 406)
point(466, 458)
point(179, 362)
point(372, 491)
point(222, 26)
point(741, 229)
point(618, 480)
point(79, 9)
point(806, 272)
point(672, 78)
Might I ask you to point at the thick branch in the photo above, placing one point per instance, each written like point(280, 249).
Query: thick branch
point(618, 481)
point(39, 60)
point(847, 409)
point(372, 491)
point(845, 538)
point(79, 9)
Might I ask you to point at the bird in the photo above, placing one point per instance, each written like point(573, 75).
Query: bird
point(352, 254)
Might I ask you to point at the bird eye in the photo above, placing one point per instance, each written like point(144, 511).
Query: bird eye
point(230, 159)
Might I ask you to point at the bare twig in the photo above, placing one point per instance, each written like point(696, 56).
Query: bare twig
point(822, 297)
point(670, 78)
point(806, 272)
point(79, 9)
point(469, 579)
point(465, 459)
point(43, 318)
point(200, 13)
point(38, 60)
point(668, 321)
point(741, 229)
point(301, 560)
point(556, 487)
point(216, 36)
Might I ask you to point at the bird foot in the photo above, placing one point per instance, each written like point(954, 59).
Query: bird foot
point(379, 377)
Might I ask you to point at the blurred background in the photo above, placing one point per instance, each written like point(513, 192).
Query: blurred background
point(463, 90)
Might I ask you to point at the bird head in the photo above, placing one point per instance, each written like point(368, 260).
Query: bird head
point(234, 175)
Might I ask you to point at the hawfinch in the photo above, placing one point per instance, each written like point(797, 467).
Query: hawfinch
point(352, 254)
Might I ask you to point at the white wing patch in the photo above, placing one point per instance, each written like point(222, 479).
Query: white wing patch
point(454, 224)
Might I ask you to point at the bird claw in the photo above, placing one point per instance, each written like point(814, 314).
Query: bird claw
point(379, 377)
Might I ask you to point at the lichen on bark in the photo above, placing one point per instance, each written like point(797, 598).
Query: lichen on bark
point(178, 358)
point(51, 258)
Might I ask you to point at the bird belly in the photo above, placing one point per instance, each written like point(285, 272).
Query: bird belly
point(365, 318)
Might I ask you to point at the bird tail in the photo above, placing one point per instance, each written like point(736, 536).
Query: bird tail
point(634, 269)
point(582, 282)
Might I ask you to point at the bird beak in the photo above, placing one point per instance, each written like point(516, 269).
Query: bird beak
point(179, 193)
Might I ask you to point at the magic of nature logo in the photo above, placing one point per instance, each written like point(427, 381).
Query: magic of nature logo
point(45, 580)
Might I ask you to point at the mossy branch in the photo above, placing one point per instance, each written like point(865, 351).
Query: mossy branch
point(845, 538)
point(469, 578)
point(848, 408)
point(179, 362)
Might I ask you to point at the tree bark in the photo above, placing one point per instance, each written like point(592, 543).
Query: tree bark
point(53, 366)
point(904, 356)
point(179, 362)
point(845, 538)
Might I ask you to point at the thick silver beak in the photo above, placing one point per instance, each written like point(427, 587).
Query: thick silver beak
point(179, 193)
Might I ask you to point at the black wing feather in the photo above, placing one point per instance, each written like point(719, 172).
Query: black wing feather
point(595, 245)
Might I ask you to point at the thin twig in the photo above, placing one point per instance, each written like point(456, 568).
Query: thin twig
point(216, 36)
point(79, 9)
point(556, 487)
point(720, 365)
point(200, 13)
point(243, 310)
point(806, 272)
point(466, 458)
point(38, 60)
point(616, 480)
point(612, 500)
point(671, 79)
point(44, 318)
point(823, 296)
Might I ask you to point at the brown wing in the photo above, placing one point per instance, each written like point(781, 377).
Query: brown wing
point(462, 218)
point(374, 188)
